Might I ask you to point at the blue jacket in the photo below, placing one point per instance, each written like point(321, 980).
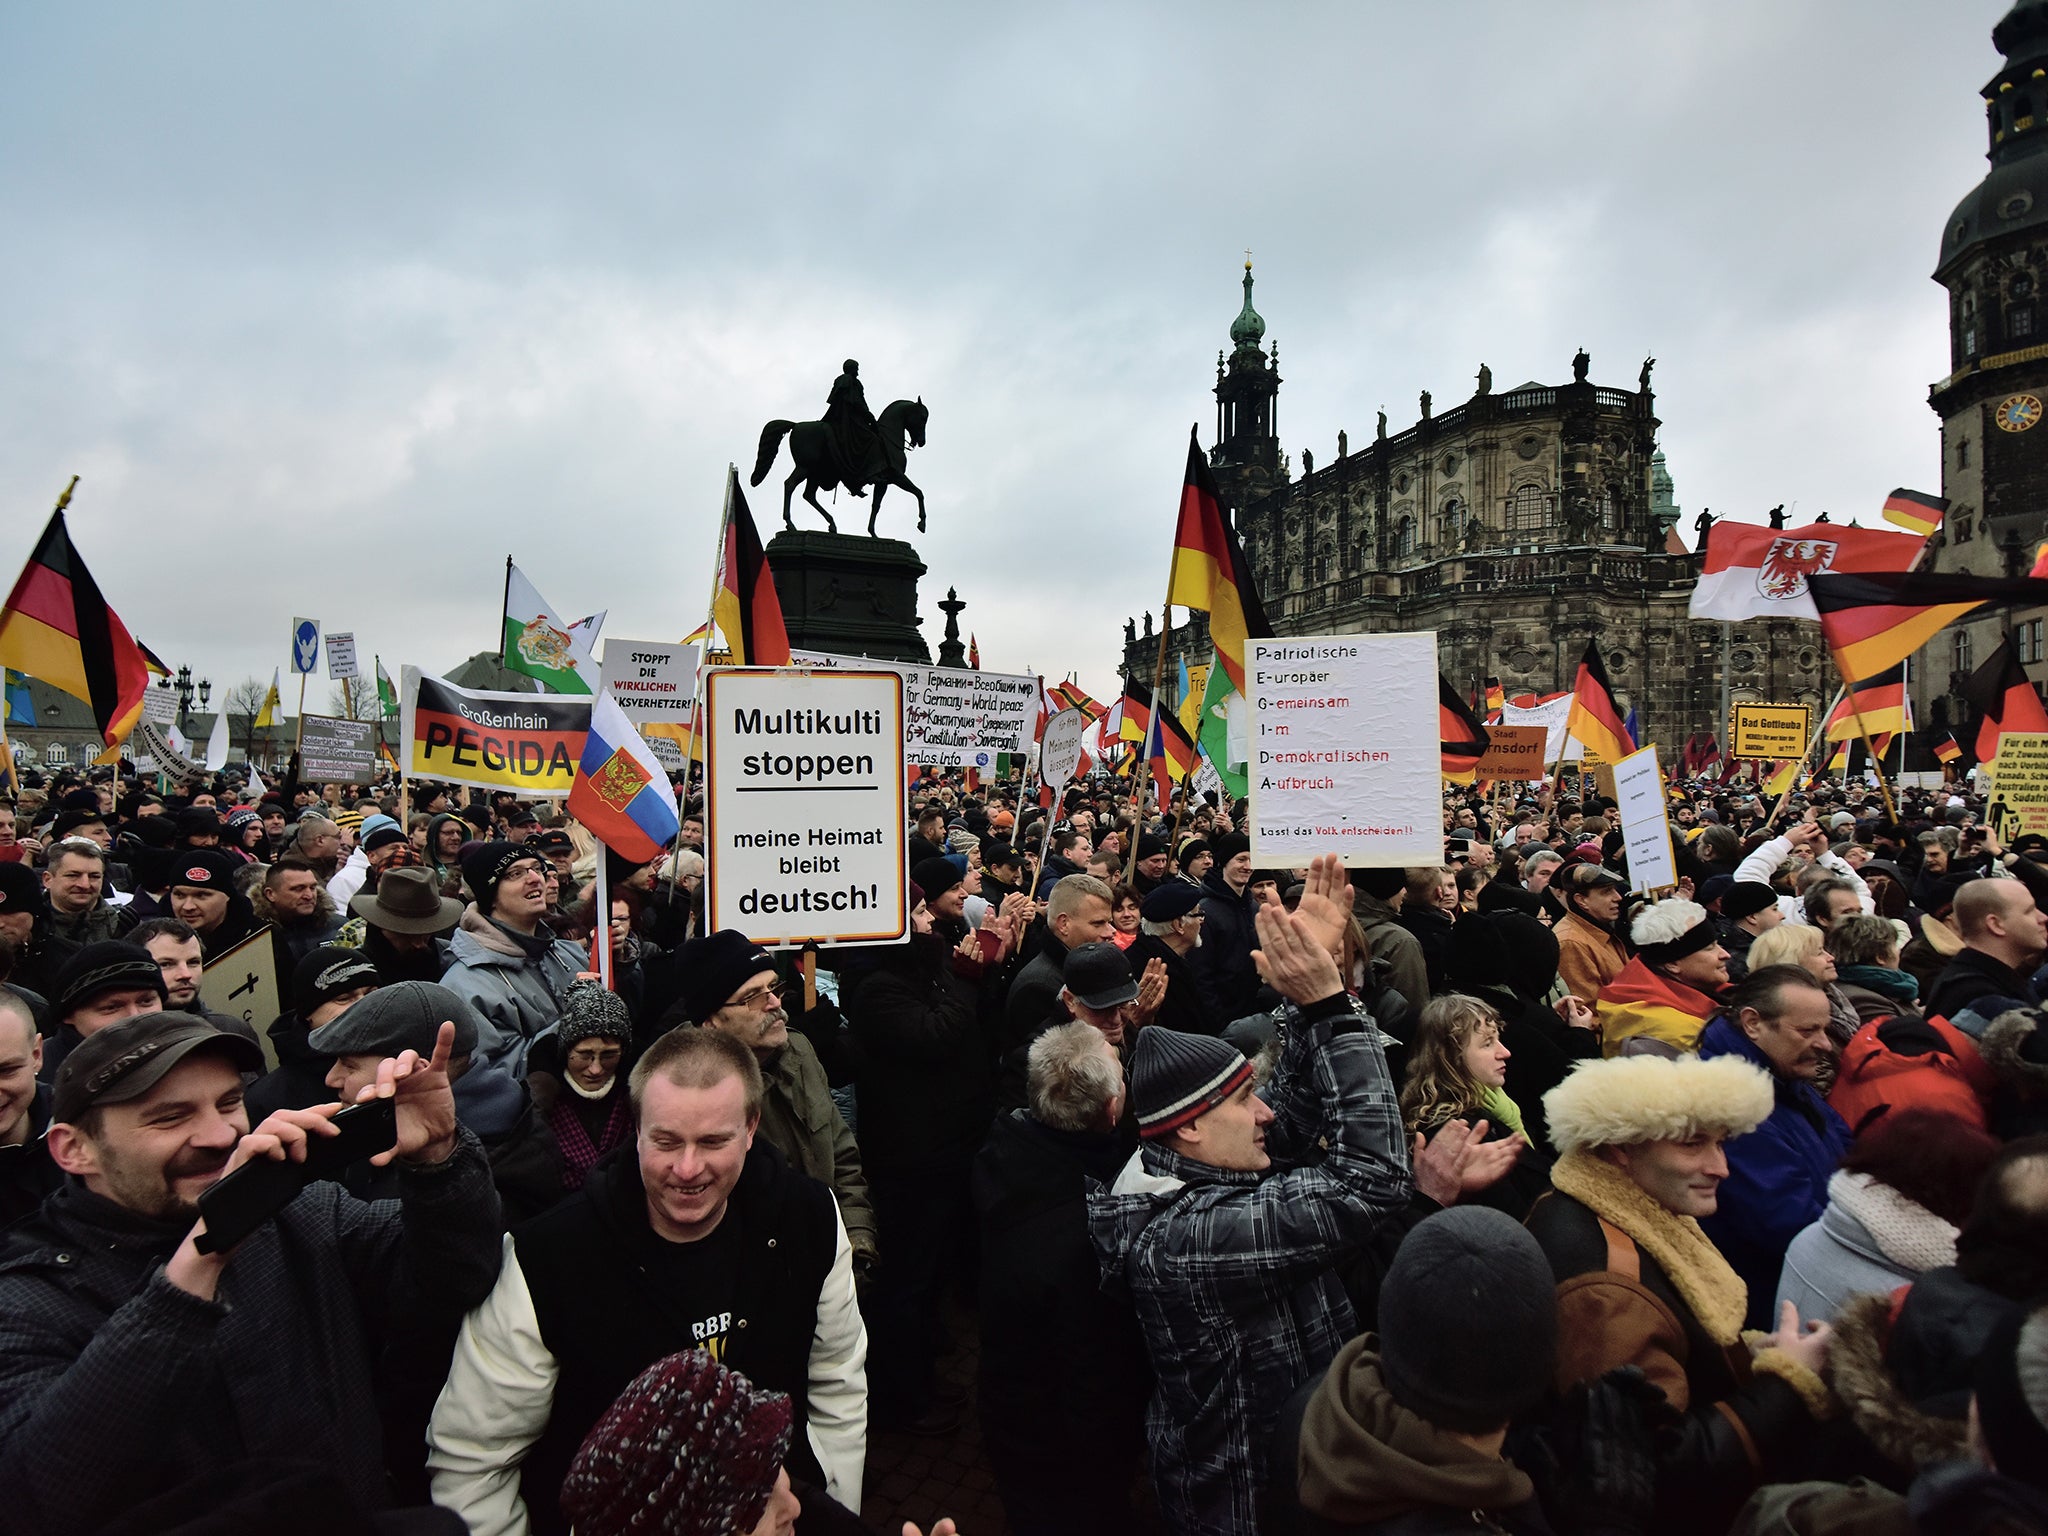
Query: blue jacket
point(1777, 1175)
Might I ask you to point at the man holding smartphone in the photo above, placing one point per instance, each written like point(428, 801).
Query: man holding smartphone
point(131, 1361)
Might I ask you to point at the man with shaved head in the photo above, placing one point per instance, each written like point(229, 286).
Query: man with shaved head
point(2005, 935)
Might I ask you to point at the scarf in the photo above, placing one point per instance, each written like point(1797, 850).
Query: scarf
point(1709, 1287)
point(580, 1153)
point(1883, 980)
point(1501, 1110)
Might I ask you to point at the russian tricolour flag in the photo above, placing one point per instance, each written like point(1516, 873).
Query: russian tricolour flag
point(621, 792)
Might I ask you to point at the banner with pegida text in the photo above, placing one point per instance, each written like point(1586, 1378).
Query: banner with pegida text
point(524, 742)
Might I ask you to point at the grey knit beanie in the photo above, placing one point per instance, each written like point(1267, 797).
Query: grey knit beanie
point(590, 1012)
point(1468, 1320)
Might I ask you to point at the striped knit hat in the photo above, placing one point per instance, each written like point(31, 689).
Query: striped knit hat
point(689, 1449)
point(1177, 1078)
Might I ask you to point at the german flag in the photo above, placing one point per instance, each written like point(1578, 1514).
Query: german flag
point(1461, 739)
point(1876, 619)
point(1839, 762)
point(1880, 700)
point(748, 612)
point(1915, 511)
point(1946, 750)
point(1209, 570)
point(1595, 718)
point(1496, 696)
point(2004, 699)
point(56, 627)
point(1137, 712)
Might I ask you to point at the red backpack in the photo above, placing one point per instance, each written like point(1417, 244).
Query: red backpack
point(1907, 1062)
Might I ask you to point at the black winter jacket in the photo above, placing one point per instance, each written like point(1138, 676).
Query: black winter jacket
point(116, 1385)
point(587, 1250)
point(926, 1074)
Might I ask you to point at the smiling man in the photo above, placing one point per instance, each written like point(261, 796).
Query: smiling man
point(100, 985)
point(1642, 1163)
point(1778, 1176)
point(695, 1242)
point(113, 1312)
point(26, 1172)
point(508, 964)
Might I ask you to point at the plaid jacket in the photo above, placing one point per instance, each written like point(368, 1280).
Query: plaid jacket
point(1234, 1274)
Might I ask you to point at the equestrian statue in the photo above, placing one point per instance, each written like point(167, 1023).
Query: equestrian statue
point(849, 447)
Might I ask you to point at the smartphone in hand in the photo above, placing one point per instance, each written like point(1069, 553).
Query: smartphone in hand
point(240, 1203)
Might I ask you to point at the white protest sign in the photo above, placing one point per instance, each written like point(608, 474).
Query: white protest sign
point(655, 684)
point(1345, 755)
point(1207, 780)
point(803, 792)
point(341, 657)
point(1059, 752)
point(951, 719)
point(1552, 716)
point(160, 704)
point(1645, 822)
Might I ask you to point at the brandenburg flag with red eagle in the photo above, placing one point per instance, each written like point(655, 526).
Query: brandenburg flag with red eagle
point(1762, 573)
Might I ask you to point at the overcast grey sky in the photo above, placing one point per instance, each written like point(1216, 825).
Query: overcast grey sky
point(335, 307)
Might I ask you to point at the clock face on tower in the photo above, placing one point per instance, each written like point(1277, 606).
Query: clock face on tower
point(2016, 413)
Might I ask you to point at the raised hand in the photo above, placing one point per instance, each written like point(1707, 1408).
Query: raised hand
point(1151, 989)
point(426, 1104)
point(1326, 901)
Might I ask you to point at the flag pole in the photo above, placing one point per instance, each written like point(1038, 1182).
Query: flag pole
point(1151, 725)
point(504, 608)
point(697, 688)
point(603, 917)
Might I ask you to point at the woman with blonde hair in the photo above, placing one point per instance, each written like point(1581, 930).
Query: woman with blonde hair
point(1805, 946)
point(1457, 1069)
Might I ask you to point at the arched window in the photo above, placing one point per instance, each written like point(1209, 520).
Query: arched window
point(1964, 652)
point(1404, 538)
point(1451, 521)
point(1610, 515)
point(1527, 510)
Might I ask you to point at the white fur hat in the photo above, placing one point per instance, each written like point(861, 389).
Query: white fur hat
point(1664, 922)
point(1626, 1100)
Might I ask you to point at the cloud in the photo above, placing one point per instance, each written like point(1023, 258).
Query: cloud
point(333, 310)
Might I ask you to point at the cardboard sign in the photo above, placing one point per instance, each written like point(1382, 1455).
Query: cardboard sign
point(1059, 753)
point(2019, 776)
point(305, 644)
point(952, 719)
point(1514, 752)
point(803, 793)
point(655, 685)
point(242, 983)
point(525, 742)
point(1645, 821)
point(337, 751)
point(1554, 717)
point(1344, 755)
point(341, 657)
point(1770, 730)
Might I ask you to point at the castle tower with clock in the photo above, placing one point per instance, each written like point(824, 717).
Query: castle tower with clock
point(1994, 451)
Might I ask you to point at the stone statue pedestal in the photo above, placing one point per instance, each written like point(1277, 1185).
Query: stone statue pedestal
point(849, 594)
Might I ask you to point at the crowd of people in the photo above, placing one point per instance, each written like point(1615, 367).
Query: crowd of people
point(1492, 1195)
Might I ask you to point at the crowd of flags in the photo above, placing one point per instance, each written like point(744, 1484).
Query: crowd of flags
point(1874, 606)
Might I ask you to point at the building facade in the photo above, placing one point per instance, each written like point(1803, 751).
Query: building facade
point(1517, 524)
point(1994, 451)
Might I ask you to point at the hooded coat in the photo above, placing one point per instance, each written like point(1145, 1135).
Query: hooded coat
point(515, 984)
point(1348, 1458)
point(1870, 1240)
point(1509, 960)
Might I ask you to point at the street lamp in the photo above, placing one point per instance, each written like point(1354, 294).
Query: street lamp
point(184, 695)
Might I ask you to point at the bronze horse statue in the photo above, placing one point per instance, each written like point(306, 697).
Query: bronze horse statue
point(898, 429)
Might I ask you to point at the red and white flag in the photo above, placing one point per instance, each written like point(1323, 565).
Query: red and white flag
point(1760, 573)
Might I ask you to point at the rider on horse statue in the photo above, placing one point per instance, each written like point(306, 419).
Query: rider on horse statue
point(854, 441)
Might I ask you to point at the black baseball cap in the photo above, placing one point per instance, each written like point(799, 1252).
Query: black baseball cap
point(1100, 976)
point(124, 1061)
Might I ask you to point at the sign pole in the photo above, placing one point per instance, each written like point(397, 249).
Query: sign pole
point(696, 748)
point(604, 918)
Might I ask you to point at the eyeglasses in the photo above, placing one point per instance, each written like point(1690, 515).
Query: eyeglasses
point(760, 998)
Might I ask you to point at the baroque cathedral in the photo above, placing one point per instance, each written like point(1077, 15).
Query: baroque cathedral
point(1517, 524)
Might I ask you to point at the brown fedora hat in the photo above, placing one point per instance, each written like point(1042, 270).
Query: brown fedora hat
point(406, 902)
